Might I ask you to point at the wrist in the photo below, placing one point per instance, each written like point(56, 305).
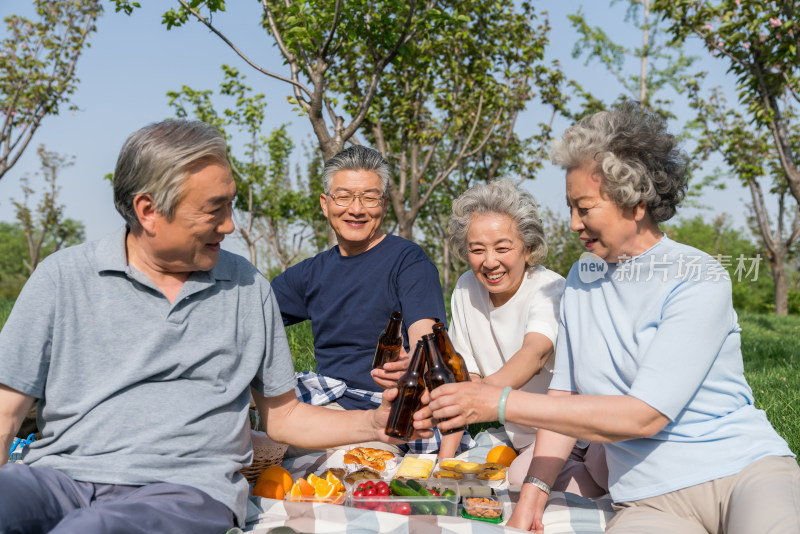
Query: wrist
point(501, 405)
point(538, 483)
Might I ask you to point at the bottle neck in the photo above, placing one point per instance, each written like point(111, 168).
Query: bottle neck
point(432, 353)
point(394, 326)
point(417, 363)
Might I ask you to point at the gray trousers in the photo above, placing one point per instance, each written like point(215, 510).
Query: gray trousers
point(34, 500)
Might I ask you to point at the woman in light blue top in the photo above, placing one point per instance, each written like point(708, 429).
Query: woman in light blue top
point(648, 358)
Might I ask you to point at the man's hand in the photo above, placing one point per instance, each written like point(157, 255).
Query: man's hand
point(13, 407)
point(529, 510)
point(422, 424)
point(392, 371)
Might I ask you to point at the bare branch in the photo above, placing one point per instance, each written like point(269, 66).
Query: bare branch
point(296, 84)
point(324, 50)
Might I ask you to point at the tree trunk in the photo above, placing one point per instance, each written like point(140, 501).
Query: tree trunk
point(781, 300)
point(446, 268)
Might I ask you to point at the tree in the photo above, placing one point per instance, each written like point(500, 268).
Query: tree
point(659, 65)
point(563, 246)
point(269, 206)
point(748, 152)
point(451, 98)
point(45, 228)
point(315, 37)
point(759, 40)
point(37, 69)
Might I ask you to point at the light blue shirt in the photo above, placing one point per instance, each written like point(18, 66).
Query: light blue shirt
point(661, 327)
point(134, 389)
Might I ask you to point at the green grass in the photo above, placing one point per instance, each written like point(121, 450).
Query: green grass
point(771, 352)
point(5, 310)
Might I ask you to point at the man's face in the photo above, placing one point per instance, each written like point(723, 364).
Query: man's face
point(357, 228)
point(191, 240)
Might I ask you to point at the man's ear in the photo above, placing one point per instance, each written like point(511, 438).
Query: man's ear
point(145, 211)
point(323, 202)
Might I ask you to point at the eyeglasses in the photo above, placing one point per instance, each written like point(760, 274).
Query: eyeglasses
point(368, 200)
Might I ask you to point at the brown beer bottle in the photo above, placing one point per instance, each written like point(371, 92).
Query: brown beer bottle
point(409, 398)
point(390, 342)
point(438, 373)
point(454, 361)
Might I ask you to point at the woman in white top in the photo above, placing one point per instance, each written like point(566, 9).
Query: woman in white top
point(505, 315)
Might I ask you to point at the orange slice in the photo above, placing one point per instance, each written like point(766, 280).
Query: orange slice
point(301, 488)
point(337, 484)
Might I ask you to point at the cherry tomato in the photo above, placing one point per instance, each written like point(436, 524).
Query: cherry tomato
point(370, 492)
point(434, 492)
point(382, 491)
point(358, 493)
point(402, 508)
point(380, 485)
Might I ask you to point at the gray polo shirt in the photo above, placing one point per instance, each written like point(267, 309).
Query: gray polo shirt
point(135, 390)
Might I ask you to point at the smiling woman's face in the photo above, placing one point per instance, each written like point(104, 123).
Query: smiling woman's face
point(606, 229)
point(496, 254)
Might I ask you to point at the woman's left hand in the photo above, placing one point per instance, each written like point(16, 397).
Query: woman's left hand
point(463, 403)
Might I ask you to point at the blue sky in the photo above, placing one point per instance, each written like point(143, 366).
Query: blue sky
point(134, 61)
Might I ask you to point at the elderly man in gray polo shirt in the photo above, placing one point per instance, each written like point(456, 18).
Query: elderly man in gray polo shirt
point(142, 349)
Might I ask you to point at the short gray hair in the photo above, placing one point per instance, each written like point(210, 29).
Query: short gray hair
point(633, 153)
point(357, 158)
point(156, 160)
point(504, 198)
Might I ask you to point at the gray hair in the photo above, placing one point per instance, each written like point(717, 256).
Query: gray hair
point(633, 153)
point(357, 158)
point(504, 198)
point(156, 160)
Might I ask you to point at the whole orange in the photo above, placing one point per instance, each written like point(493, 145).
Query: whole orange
point(269, 489)
point(277, 474)
point(501, 454)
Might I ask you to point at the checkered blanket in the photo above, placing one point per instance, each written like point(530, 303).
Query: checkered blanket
point(566, 513)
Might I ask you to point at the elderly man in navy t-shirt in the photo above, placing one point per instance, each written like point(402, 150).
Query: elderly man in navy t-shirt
point(350, 291)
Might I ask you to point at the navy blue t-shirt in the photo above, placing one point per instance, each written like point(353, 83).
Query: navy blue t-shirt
point(349, 300)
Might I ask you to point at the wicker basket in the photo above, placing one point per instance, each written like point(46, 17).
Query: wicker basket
point(265, 453)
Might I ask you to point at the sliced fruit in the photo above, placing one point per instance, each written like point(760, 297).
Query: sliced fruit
point(301, 488)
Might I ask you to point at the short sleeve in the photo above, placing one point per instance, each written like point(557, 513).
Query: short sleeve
point(26, 338)
point(419, 290)
point(276, 375)
point(543, 309)
point(289, 289)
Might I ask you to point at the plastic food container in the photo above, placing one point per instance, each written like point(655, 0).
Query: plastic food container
point(483, 509)
point(335, 499)
point(411, 505)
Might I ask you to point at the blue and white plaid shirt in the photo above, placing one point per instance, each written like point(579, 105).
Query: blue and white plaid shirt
point(320, 390)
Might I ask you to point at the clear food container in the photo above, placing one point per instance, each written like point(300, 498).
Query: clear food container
point(408, 505)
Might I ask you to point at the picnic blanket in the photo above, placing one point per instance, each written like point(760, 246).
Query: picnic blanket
point(565, 513)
